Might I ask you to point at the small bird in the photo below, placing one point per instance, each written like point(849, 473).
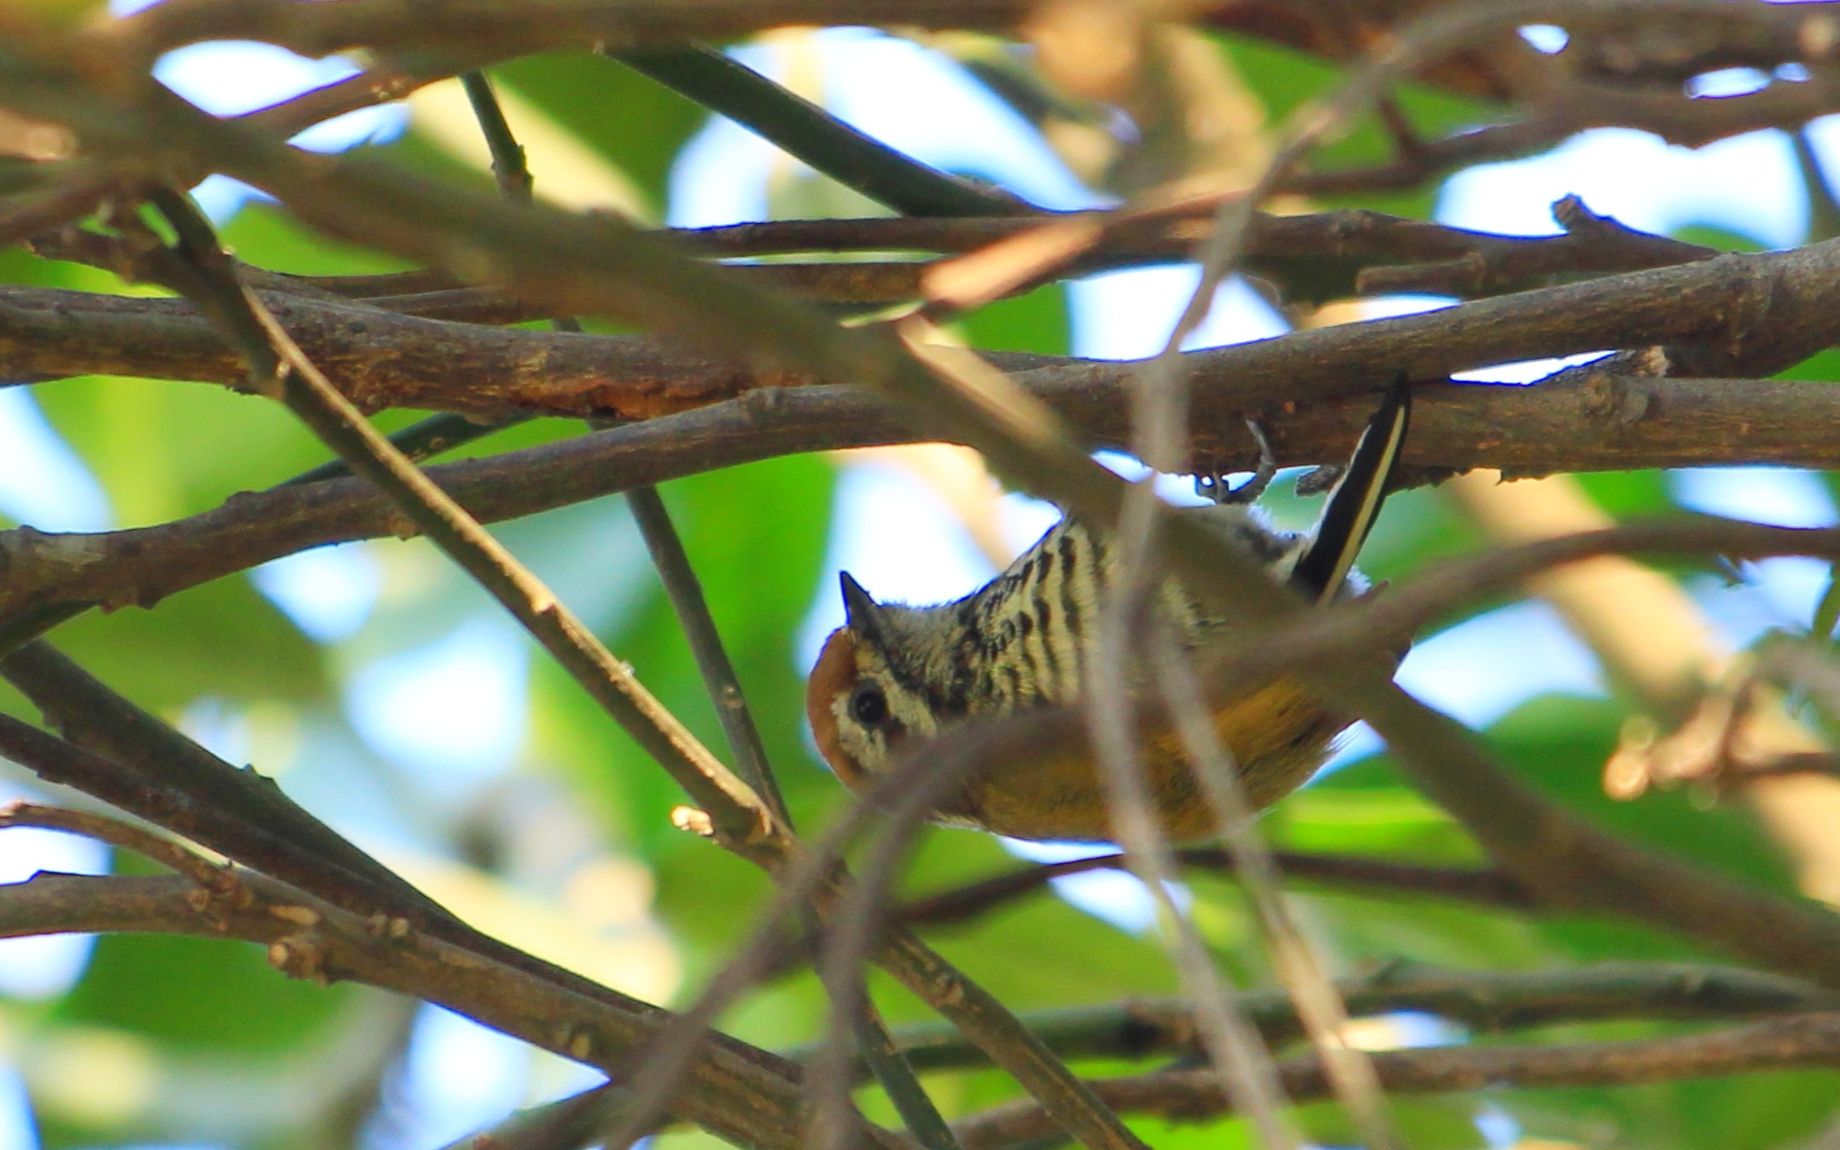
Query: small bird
point(895, 675)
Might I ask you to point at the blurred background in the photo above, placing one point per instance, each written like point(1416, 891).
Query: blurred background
point(389, 697)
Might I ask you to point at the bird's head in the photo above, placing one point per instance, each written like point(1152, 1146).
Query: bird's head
point(867, 694)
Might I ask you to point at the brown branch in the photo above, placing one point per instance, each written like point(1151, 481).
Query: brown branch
point(398, 26)
point(164, 777)
point(1810, 1040)
point(1310, 258)
point(1433, 158)
point(1584, 426)
point(216, 880)
point(380, 358)
point(1344, 32)
point(87, 183)
point(1482, 1001)
point(56, 761)
point(1742, 314)
point(1314, 257)
point(1693, 121)
point(139, 763)
point(1656, 51)
point(402, 26)
point(1662, 52)
point(736, 1097)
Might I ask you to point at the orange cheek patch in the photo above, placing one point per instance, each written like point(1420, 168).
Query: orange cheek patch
point(833, 675)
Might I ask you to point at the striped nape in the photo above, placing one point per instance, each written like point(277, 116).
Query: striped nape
point(1074, 541)
point(1019, 639)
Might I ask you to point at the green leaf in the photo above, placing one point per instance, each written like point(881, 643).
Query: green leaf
point(267, 236)
point(1821, 367)
point(1427, 1122)
point(1749, 1112)
point(1560, 745)
point(635, 124)
point(162, 450)
point(1020, 952)
point(1627, 494)
point(755, 536)
point(1285, 79)
point(196, 994)
point(1827, 611)
point(1035, 321)
point(1717, 236)
point(222, 640)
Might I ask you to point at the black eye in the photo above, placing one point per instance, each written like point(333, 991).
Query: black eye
point(868, 704)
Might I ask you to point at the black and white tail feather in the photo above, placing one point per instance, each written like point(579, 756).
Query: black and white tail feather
point(1322, 567)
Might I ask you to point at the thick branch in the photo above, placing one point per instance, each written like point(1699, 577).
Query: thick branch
point(143, 765)
point(1609, 424)
point(390, 359)
point(170, 781)
point(1734, 314)
point(378, 358)
point(307, 938)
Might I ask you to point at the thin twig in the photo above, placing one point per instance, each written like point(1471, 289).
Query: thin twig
point(1298, 960)
point(1808, 1040)
point(718, 673)
point(509, 165)
point(421, 440)
point(148, 766)
point(278, 367)
point(1488, 1002)
point(1240, 1062)
point(169, 780)
point(809, 133)
point(741, 1098)
point(213, 878)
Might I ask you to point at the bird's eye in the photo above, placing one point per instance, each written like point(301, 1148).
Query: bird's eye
point(868, 704)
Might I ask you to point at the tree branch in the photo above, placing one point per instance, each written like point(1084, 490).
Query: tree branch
point(1483, 1001)
point(1589, 424)
point(810, 134)
point(1189, 1095)
point(733, 1096)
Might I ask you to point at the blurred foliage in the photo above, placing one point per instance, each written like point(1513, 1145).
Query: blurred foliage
point(227, 662)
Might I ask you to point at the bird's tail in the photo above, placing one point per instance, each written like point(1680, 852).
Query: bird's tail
point(1355, 502)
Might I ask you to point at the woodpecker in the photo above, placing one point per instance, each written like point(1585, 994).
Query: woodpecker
point(895, 675)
